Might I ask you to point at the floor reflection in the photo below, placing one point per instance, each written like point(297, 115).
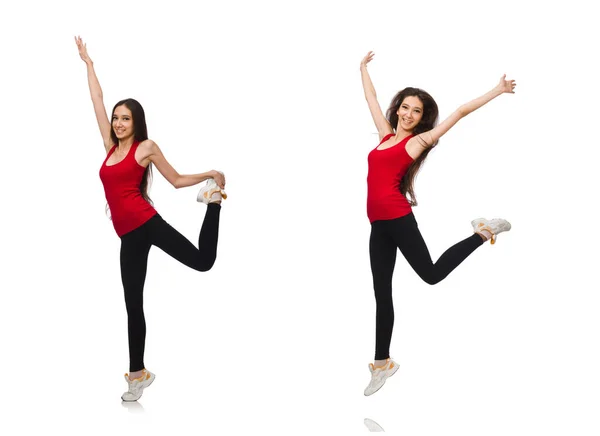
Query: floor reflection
point(373, 426)
point(133, 406)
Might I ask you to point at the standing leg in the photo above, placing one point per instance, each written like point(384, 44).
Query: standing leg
point(134, 259)
point(408, 238)
point(382, 251)
point(177, 246)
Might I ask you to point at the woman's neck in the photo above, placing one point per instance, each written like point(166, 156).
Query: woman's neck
point(125, 143)
point(401, 134)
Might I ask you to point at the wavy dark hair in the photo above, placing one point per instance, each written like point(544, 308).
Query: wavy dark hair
point(428, 121)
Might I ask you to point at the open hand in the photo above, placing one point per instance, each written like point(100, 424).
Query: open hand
point(82, 50)
point(367, 59)
point(506, 85)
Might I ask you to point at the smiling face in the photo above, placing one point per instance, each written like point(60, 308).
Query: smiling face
point(122, 122)
point(410, 113)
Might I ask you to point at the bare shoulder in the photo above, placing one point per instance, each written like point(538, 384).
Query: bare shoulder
point(145, 150)
point(148, 145)
point(417, 145)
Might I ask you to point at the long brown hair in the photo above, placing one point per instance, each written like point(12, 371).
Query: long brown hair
point(428, 122)
point(140, 133)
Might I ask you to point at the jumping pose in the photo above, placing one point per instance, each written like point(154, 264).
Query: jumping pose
point(407, 134)
point(125, 174)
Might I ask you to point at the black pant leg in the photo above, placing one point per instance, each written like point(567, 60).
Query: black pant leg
point(165, 237)
point(382, 252)
point(409, 240)
point(135, 247)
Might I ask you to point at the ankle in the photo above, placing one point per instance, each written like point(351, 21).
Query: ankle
point(136, 374)
point(216, 197)
point(485, 235)
point(380, 363)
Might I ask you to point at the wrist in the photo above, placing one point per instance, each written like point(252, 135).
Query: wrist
point(498, 90)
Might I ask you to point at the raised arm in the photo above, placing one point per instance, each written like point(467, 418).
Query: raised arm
point(96, 94)
point(382, 124)
point(419, 143)
point(151, 152)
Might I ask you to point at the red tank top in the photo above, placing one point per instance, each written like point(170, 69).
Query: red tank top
point(121, 182)
point(386, 169)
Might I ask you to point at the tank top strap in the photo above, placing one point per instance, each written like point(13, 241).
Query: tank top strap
point(131, 154)
point(405, 140)
point(385, 138)
point(109, 154)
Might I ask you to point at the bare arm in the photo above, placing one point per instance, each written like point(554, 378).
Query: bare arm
point(421, 142)
point(153, 154)
point(96, 94)
point(382, 124)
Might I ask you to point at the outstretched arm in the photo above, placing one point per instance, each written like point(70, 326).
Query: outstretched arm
point(153, 154)
point(382, 124)
point(419, 143)
point(96, 94)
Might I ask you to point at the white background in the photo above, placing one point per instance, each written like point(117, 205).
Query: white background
point(276, 338)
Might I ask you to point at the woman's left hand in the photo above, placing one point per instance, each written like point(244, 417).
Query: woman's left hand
point(506, 85)
point(219, 178)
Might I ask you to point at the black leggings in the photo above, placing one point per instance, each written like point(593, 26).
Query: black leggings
point(403, 233)
point(135, 247)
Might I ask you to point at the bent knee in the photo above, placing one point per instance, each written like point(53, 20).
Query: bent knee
point(205, 266)
point(431, 280)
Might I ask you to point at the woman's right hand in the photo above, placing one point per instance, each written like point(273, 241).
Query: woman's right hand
point(506, 85)
point(367, 59)
point(82, 50)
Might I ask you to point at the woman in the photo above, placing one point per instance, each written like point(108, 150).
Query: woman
point(407, 134)
point(125, 174)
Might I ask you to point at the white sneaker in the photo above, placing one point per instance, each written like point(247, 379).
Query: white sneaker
point(205, 195)
point(379, 375)
point(495, 226)
point(137, 385)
